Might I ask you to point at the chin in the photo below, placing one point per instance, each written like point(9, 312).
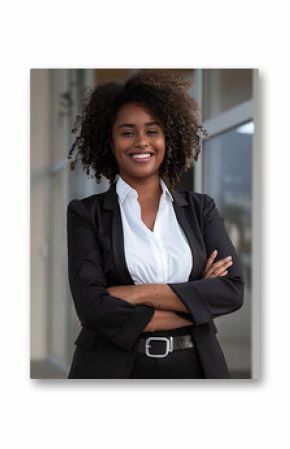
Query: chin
point(140, 174)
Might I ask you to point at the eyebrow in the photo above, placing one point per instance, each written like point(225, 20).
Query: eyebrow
point(131, 125)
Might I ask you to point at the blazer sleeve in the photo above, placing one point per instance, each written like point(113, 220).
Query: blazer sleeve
point(209, 298)
point(112, 317)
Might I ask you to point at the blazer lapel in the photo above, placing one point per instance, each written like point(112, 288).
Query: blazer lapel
point(180, 203)
point(111, 203)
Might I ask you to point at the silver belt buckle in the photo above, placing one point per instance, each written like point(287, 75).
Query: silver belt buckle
point(167, 340)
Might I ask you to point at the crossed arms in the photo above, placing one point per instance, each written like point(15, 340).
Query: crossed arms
point(122, 313)
point(164, 300)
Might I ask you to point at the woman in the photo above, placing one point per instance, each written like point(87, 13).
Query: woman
point(149, 266)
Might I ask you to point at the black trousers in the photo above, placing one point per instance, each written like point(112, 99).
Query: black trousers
point(178, 364)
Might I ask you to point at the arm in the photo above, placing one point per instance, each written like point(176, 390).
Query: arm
point(166, 320)
point(146, 294)
point(96, 308)
point(161, 296)
point(215, 296)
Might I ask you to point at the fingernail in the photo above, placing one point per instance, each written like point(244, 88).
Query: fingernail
point(215, 252)
point(229, 258)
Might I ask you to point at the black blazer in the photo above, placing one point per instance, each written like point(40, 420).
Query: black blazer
point(106, 345)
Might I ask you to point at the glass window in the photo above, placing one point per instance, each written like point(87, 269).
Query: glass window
point(227, 178)
point(227, 167)
point(224, 89)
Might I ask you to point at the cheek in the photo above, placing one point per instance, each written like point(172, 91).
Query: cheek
point(119, 151)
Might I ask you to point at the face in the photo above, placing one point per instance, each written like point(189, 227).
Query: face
point(138, 142)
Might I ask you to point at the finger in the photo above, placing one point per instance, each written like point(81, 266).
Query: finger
point(218, 268)
point(212, 265)
point(222, 264)
point(216, 274)
point(226, 262)
point(210, 260)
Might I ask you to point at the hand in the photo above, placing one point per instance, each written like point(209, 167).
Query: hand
point(213, 270)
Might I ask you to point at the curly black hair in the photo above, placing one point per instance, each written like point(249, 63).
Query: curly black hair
point(165, 95)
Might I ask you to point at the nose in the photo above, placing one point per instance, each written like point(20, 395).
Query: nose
point(140, 142)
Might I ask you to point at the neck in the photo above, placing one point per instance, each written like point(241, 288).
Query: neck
point(146, 188)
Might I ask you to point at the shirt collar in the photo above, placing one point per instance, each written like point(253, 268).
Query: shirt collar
point(165, 189)
point(123, 190)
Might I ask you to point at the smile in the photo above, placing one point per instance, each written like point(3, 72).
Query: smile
point(141, 157)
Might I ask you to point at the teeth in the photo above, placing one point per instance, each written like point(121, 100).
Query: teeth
point(141, 156)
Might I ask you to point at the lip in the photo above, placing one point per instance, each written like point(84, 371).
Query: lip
point(141, 160)
point(141, 152)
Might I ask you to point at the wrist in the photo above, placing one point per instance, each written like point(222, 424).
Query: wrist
point(149, 294)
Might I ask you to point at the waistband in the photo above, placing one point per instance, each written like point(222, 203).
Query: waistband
point(168, 333)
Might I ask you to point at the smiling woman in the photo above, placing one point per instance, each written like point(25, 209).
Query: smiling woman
point(141, 150)
point(164, 110)
point(144, 276)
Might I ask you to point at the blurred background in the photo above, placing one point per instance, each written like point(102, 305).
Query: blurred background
point(224, 171)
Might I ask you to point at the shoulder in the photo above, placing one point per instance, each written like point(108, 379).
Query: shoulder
point(201, 201)
point(200, 205)
point(86, 207)
point(87, 202)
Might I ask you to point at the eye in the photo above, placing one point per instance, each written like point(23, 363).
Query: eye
point(152, 132)
point(128, 133)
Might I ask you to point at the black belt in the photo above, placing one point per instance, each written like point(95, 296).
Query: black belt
point(152, 345)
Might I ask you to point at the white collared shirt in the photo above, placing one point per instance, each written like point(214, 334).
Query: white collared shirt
point(159, 256)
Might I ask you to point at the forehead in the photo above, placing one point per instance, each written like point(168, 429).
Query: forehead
point(135, 113)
